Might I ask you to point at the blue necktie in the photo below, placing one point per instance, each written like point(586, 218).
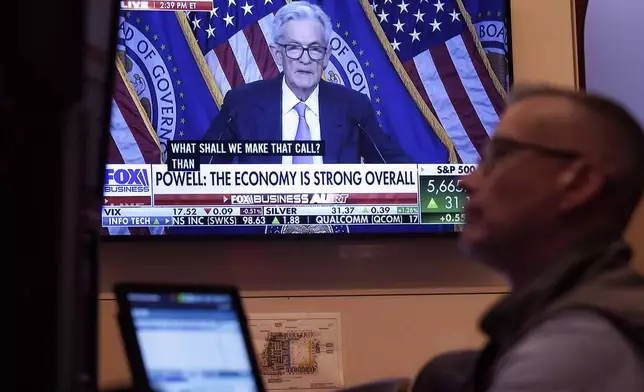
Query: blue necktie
point(303, 132)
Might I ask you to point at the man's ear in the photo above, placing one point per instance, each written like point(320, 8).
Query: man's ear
point(277, 55)
point(579, 184)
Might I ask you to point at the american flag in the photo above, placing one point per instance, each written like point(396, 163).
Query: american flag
point(132, 140)
point(438, 51)
point(234, 38)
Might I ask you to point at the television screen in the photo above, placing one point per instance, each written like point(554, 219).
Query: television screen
point(294, 117)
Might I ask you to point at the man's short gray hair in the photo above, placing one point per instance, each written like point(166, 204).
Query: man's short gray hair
point(300, 10)
point(623, 138)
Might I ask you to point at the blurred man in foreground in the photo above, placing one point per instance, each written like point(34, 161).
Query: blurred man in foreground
point(548, 207)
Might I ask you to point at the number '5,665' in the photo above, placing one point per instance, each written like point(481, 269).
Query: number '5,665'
point(444, 186)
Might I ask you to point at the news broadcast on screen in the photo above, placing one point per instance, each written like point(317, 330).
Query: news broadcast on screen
point(234, 117)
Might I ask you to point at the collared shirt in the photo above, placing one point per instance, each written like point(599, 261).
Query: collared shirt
point(290, 118)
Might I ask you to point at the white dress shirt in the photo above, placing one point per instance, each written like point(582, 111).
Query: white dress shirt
point(290, 118)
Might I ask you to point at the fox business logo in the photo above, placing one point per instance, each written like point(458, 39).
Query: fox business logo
point(315, 198)
point(127, 180)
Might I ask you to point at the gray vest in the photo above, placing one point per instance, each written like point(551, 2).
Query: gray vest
point(599, 279)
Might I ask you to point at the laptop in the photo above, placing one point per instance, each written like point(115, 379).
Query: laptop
point(187, 338)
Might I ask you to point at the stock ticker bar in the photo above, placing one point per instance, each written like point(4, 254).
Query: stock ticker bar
point(148, 221)
point(249, 216)
point(194, 5)
point(135, 197)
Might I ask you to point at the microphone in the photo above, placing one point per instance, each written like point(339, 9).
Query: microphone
point(229, 120)
point(364, 131)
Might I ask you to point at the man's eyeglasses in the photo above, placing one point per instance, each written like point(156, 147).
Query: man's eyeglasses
point(295, 52)
point(500, 147)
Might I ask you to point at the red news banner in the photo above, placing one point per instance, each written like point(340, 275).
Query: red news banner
point(194, 5)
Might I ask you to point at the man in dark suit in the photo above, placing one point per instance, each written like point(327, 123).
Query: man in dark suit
point(298, 105)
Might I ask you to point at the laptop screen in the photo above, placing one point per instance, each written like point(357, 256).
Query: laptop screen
point(192, 342)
